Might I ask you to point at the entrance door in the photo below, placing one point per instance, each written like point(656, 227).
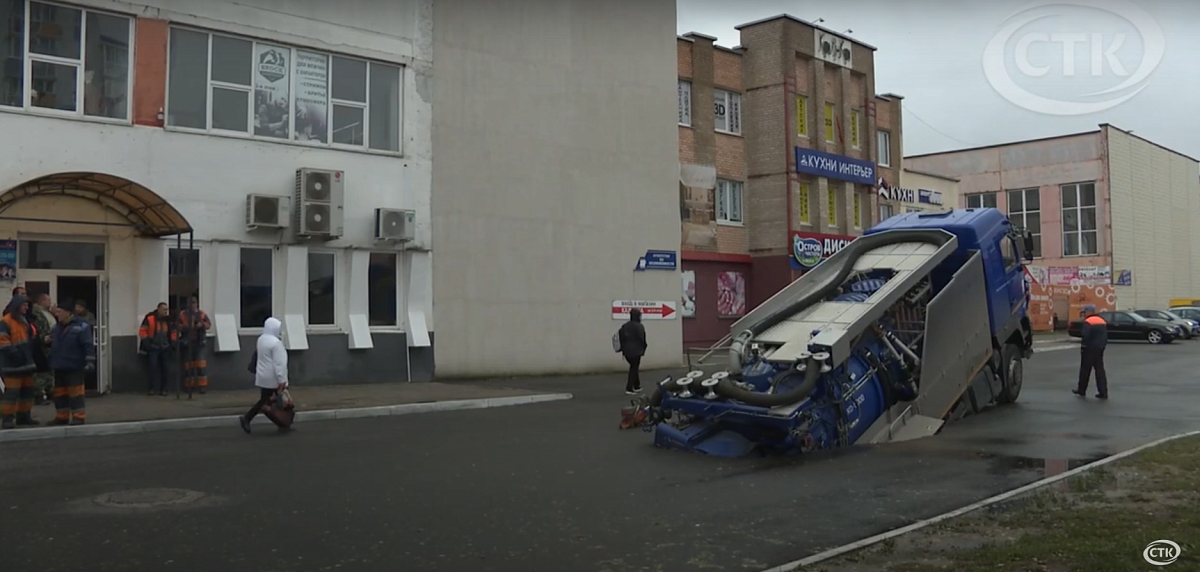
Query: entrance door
point(82, 290)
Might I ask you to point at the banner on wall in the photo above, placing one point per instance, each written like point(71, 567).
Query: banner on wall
point(272, 91)
point(731, 294)
point(312, 96)
point(1123, 278)
point(8, 260)
point(810, 248)
point(687, 307)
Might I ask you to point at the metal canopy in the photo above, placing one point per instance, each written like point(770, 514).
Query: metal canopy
point(143, 208)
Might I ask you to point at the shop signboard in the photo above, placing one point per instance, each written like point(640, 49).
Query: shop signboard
point(658, 260)
point(840, 167)
point(651, 310)
point(810, 248)
point(929, 197)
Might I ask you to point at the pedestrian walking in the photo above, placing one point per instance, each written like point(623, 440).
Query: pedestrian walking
point(632, 336)
point(1093, 338)
point(270, 373)
point(72, 357)
point(17, 364)
point(157, 339)
point(193, 336)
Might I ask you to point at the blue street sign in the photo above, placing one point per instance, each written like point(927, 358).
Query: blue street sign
point(658, 260)
point(821, 164)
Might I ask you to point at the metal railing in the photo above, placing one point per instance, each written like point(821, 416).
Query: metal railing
point(722, 344)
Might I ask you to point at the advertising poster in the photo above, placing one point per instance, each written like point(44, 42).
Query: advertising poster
point(810, 248)
point(8, 260)
point(687, 306)
point(312, 96)
point(272, 91)
point(731, 294)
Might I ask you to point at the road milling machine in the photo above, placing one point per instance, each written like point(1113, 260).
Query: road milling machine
point(920, 321)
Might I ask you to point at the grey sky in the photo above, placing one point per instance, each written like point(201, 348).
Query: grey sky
point(933, 52)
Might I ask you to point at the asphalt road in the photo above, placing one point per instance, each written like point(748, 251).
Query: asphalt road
point(552, 487)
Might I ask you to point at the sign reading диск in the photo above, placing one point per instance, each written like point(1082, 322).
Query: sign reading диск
point(810, 248)
point(839, 167)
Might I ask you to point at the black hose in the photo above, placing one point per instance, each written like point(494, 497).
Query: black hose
point(657, 397)
point(729, 390)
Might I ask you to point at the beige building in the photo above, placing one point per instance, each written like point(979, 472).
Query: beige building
point(917, 191)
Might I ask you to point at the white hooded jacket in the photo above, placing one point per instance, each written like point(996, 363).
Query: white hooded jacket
point(272, 368)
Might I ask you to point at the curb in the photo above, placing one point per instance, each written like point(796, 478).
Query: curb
point(854, 546)
point(230, 420)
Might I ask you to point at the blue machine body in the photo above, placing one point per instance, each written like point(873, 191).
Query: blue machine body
point(851, 396)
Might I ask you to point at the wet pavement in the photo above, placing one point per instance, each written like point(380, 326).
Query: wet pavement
point(550, 487)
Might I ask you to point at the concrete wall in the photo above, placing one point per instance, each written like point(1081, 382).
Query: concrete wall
point(558, 162)
point(1154, 213)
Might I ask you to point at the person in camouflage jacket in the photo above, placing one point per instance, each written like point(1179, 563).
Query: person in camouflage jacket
point(43, 320)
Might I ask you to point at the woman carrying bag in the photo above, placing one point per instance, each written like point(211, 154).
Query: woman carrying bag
point(270, 368)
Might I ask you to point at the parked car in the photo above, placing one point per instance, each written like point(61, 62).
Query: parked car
point(1187, 312)
point(1131, 326)
point(1190, 328)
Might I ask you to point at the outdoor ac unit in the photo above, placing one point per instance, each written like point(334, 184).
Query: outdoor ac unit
point(267, 211)
point(319, 196)
point(833, 49)
point(395, 224)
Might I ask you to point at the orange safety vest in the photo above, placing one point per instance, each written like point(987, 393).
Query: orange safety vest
point(1095, 320)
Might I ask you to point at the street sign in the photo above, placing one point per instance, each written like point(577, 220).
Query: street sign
point(658, 260)
point(650, 310)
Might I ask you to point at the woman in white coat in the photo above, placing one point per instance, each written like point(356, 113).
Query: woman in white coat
point(271, 369)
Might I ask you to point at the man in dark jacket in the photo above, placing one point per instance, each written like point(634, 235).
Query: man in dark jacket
point(72, 355)
point(17, 364)
point(157, 339)
point(632, 336)
point(1093, 338)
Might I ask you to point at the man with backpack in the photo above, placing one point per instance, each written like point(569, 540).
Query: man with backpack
point(631, 342)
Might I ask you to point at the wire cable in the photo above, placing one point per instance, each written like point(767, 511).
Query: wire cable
point(935, 129)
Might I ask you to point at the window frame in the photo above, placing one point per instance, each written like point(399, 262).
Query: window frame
point(995, 199)
point(330, 101)
point(723, 198)
point(80, 65)
point(801, 111)
point(1025, 212)
point(804, 197)
point(891, 211)
point(830, 124)
point(1079, 208)
point(337, 290)
point(684, 104)
point(733, 111)
point(855, 129)
point(859, 211)
point(831, 217)
point(883, 142)
point(399, 320)
point(274, 279)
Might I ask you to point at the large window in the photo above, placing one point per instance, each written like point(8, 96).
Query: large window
point(381, 289)
point(1080, 236)
point(257, 279)
point(859, 219)
point(981, 201)
point(855, 129)
point(831, 198)
point(728, 111)
point(884, 142)
point(729, 201)
point(183, 277)
point(805, 205)
point(801, 116)
point(235, 85)
point(685, 102)
point(1025, 211)
point(55, 255)
point(65, 60)
point(886, 211)
point(322, 288)
point(829, 123)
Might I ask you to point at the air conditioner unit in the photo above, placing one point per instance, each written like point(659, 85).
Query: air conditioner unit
point(319, 197)
point(267, 211)
point(395, 224)
point(833, 49)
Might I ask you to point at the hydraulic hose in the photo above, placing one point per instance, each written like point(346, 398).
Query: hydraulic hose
point(729, 390)
point(830, 278)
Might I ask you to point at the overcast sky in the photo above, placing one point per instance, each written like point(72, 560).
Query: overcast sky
point(933, 54)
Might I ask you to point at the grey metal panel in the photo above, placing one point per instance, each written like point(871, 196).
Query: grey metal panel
point(958, 340)
point(900, 423)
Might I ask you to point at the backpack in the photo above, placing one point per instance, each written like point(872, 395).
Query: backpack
point(616, 341)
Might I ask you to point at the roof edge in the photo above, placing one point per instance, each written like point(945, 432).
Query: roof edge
point(806, 23)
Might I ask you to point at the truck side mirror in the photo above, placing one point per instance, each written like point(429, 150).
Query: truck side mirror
point(1028, 236)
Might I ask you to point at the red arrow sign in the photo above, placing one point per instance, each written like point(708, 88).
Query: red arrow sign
point(650, 310)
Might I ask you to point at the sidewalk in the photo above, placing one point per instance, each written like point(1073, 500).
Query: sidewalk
point(128, 413)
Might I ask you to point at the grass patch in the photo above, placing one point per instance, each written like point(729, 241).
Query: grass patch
point(1097, 521)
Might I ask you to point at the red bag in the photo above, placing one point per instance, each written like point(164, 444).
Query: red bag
point(281, 411)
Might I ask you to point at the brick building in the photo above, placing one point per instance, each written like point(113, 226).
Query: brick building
point(782, 145)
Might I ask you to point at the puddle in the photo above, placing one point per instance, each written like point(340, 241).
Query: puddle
point(1048, 467)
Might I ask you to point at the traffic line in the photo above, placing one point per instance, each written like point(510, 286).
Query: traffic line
point(864, 543)
point(38, 433)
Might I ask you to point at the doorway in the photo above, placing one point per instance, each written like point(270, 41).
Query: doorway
point(82, 290)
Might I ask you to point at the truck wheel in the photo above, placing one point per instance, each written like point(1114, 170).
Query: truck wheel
point(1154, 337)
point(1013, 373)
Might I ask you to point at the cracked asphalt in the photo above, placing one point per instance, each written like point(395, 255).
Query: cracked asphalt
point(551, 487)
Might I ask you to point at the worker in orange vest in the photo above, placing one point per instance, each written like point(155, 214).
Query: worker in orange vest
point(1093, 337)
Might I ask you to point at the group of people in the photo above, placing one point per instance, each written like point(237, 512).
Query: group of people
point(159, 337)
point(44, 350)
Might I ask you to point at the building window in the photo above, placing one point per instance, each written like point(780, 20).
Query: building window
point(884, 140)
point(981, 201)
point(855, 127)
point(685, 102)
point(322, 287)
point(801, 116)
point(1080, 236)
point(78, 62)
point(381, 289)
point(829, 123)
point(886, 212)
point(832, 207)
point(1025, 211)
point(183, 277)
point(257, 280)
point(729, 202)
point(248, 90)
point(858, 211)
point(728, 110)
point(803, 199)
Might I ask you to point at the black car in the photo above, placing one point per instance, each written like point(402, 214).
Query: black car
point(1131, 326)
point(1185, 325)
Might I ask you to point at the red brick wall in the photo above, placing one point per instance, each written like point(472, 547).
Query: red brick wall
point(706, 327)
point(150, 71)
